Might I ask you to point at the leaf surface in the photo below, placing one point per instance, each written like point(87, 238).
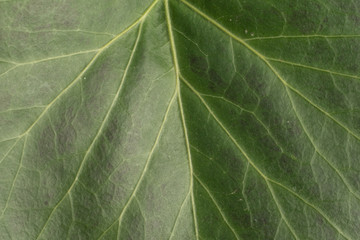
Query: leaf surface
point(179, 119)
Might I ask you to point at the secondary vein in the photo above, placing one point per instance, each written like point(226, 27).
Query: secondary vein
point(100, 130)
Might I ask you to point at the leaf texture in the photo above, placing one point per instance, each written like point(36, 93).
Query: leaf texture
point(180, 119)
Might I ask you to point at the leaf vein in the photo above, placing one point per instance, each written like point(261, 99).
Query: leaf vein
point(99, 132)
point(262, 57)
point(242, 151)
point(148, 160)
point(14, 180)
point(312, 68)
point(177, 72)
point(343, 179)
point(286, 86)
point(178, 215)
point(303, 36)
point(217, 206)
point(145, 169)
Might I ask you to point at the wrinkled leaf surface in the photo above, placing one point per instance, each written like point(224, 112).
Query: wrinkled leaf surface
point(197, 119)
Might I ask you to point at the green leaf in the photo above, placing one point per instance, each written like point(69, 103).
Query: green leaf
point(180, 119)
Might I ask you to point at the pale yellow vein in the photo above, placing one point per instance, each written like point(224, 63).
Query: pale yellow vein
point(100, 130)
point(177, 73)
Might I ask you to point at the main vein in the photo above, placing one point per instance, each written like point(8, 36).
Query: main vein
point(177, 75)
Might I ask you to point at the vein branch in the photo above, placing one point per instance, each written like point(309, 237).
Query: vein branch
point(15, 177)
point(145, 169)
point(217, 206)
point(266, 61)
point(307, 133)
point(147, 163)
point(178, 215)
point(92, 61)
point(312, 68)
point(99, 132)
point(303, 36)
point(263, 58)
point(243, 152)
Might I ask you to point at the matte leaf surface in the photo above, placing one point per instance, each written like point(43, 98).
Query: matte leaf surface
point(180, 119)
